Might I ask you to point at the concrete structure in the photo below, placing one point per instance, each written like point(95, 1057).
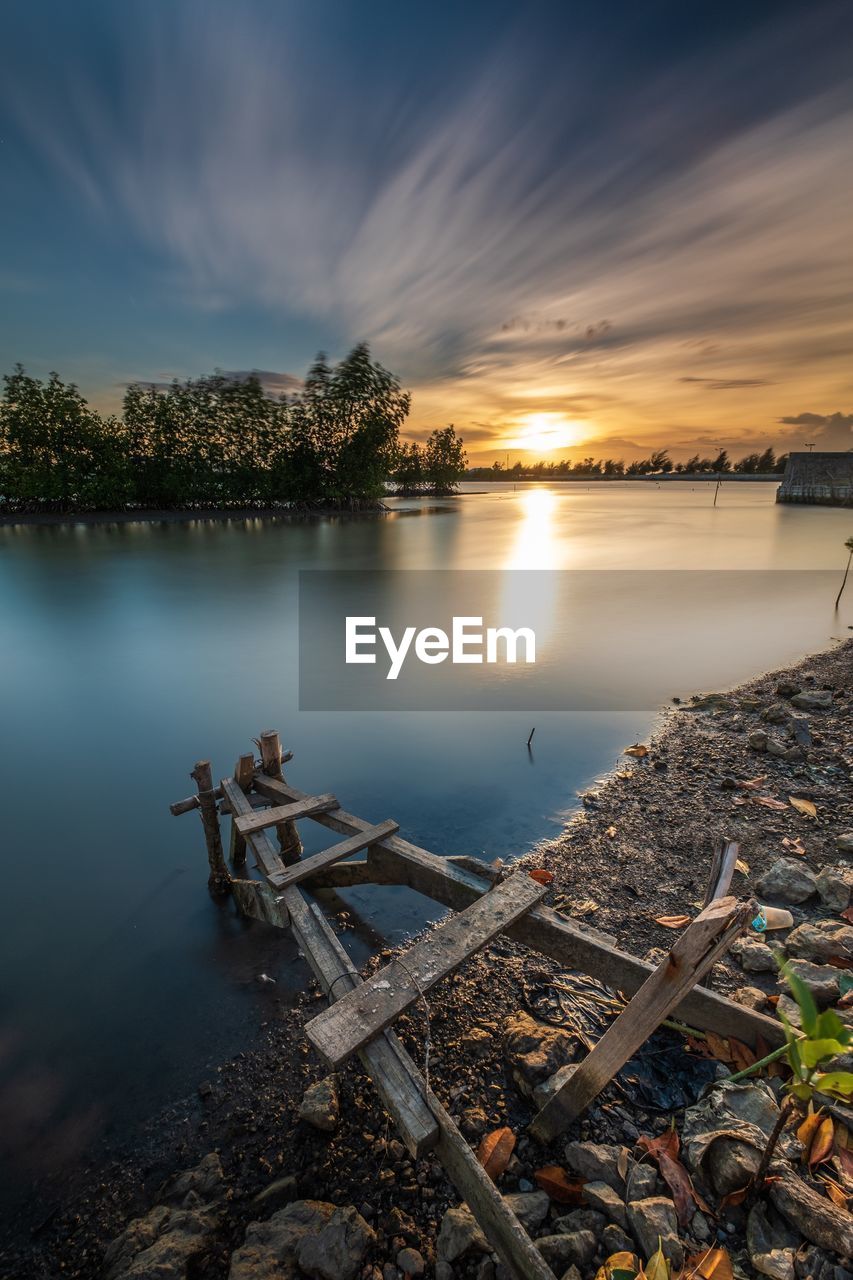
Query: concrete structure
point(824, 479)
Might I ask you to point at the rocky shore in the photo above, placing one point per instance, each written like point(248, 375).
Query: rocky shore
point(275, 1170)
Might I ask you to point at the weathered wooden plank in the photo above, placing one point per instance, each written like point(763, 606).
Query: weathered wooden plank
point(243, 772)
point(337, 1032)
point(571, 944)
point(258, 901)
point(309, 867)
point(701, 944)
point(285, 813)
point(261, 843)
point(271, 757)
point(219, 880)
point(722, 869)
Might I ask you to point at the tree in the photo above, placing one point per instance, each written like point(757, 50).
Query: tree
point(849, 545)
point(444, 460)
point(408, 472)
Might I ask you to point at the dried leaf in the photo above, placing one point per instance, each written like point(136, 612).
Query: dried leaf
point(684, 1194)
point(806, 807)
point(718, 1047)
point(541, 876)
point(611, 832)
point(795, 845)
point(847, 915)
point(742, 1055)
point(622, 1163)
point(657, 1267)
point(769, 802)
point(637, 750)
point(713, 1264)
point(842, 1136)
point(666, 1143)
point(742, 867)
point(672, 922)
point(559, 1187)
point(495, 1150)
point(736, 1197)
point(807, 1130)
point(619, 1266)
point(753, 783)
point(821, 1144)
point(835, 1193)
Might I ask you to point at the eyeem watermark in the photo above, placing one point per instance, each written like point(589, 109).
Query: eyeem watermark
point(464, 645)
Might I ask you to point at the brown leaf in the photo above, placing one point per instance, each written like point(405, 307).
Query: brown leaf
point(718, 1047)
point(666, 1143)
point(541, 876)
point(684, 1194)
point(742, 867)
point(619, 1262)
point(713, 1264)
point(821, 1144)
point(845, 1160)
point(610, 832)
point(808, 1128)
point(564, 1190)
point(769, 802)
point(795, 845)
point(835, 1193)
point(806, 807)
point(637, 750)
point(753, 783)
point(736, 1197)
point(742, 1055)
point(847, 915)
point(622, 1163)
point(672, 922)
point(495, 1150)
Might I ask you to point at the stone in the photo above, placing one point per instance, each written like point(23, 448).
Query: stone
point(206, 1180)
point(444, 1271)
point(595, 1162)
point(579, 1220)
point(758, 740)
point(821, 980)
point(459, 1234)
point(813, 1215)
point(776, 713)
point(164, 1245)
point(411, 1262)
point(822, 941)
point(812, 700)
point(770, 1243)
point(844, 842)
point(655, 1219)
point(800, 730)
point(320, 1106)
point(777, 748)
point(561, 1251)
point(787, 881)
point(534, 1051)
point(755, 956)
point(571, 1273)
point(337, 1251)
point(530, 1207)
point(833, 888)
point(750, 997)
point(269, 1249)
point(615, 1240)
point(473, 1122)
point(643, 1181)
point(277, 1194)
point(787, 688)
point(478, 1042)
point(602, 1197)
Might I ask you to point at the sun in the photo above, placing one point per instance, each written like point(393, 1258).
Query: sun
point(542, 432)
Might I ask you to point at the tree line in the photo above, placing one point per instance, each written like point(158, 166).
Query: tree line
point(658, 463)
point(219, 441)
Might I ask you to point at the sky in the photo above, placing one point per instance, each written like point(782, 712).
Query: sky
point(569, 228)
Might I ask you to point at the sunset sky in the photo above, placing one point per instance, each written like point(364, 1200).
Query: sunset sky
point(569, 228)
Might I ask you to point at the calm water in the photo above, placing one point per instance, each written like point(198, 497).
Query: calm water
point(130, 651)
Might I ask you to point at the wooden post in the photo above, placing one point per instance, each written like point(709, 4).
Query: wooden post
point(288, 836)
point(219, 881)
point(244, 771)
point(699, 946)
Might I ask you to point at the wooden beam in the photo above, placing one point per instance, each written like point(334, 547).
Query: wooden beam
point(339, 1031)
point(266, 855)
point(219, 881)
point(243, 773)
point(701, 944)
point(573, 945)
point(342, 875)
point(271, 754)
point(723, 863)
point(285, 813)
point(308, 867)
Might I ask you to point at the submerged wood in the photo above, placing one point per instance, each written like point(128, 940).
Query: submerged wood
point(701, 944)
point(219, 880)
point(339, 1031)
point(271, 757)
point(308, 867)
point(243, 773)
point(397, 861)
point(266, 855)
point(285, 813)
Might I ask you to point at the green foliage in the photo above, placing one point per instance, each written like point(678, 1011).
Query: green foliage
point(212, 441)
point(824, 1037)
point(437, 467)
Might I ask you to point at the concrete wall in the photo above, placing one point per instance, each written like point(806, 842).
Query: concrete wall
point(819, 478)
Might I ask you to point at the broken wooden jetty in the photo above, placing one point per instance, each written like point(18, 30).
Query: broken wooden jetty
point(485, 902)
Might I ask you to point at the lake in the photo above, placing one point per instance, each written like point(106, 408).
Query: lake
point(130, 651)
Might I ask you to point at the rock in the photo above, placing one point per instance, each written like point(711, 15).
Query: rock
point(787, 881)
point(561, 1251)
point(615, 1240)
point(777, 748)
point(754, 956)
point(530, 1207)
point(787, 688)
point(813, 700)
point(602, 1197)
point(337, 1251)
point(580, 1220)
point(844, 842)
point(459, 1234)
point(595, 1162)
point(534, 1051)
point(444, 1271)
point(320, 1106)
point(750, 997)
point(269, 1249)
point(167, 1244)
point(206, 1180)
point(771, 1244)
point(277, 1194)
point(833, 887)
point(478, 1042)
point(776, 713)
point(800, 730)
point(411, 1262)
point(824, 940)
point(652, 1220)
point(787, 1006)
point(643, 1181)
point(812, 1214)
point(473, 1122)
point(821, 980)
point(571, 1274)
point(758, 740)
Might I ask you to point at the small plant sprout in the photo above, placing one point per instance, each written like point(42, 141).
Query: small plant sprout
point(849, 545)
point(809, 1054)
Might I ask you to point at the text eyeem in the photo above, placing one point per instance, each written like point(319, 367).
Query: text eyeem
point(468, 642)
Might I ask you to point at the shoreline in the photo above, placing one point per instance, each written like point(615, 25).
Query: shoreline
point(638, 849)
point(206, 514)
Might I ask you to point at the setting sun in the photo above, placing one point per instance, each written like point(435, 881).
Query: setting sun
point(542, 432)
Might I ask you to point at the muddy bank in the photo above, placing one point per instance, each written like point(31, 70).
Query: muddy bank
point(639, 850)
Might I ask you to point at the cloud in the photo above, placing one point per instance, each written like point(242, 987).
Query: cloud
point(728, 384)
point(830, 431)
point(273, 383)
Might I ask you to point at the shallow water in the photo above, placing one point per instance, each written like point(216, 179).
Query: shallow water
point(130, 651)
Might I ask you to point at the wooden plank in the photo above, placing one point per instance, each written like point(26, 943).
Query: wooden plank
point(701, 944)
point(285, 813)
point(308, 867)
point(243, 772)
point(722, 869)
point(261, 843)
point(339, 1031)
point(271, 755)
point(573, 945)
point(219, 881)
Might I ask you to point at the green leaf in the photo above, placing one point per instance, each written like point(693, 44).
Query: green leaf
point(830, 1026)
point(801, 1091)
point(815, 1051)
point(803, 997)
point(839, 1083)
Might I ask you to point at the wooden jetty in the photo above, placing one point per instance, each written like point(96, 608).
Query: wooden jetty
point(484, 902)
